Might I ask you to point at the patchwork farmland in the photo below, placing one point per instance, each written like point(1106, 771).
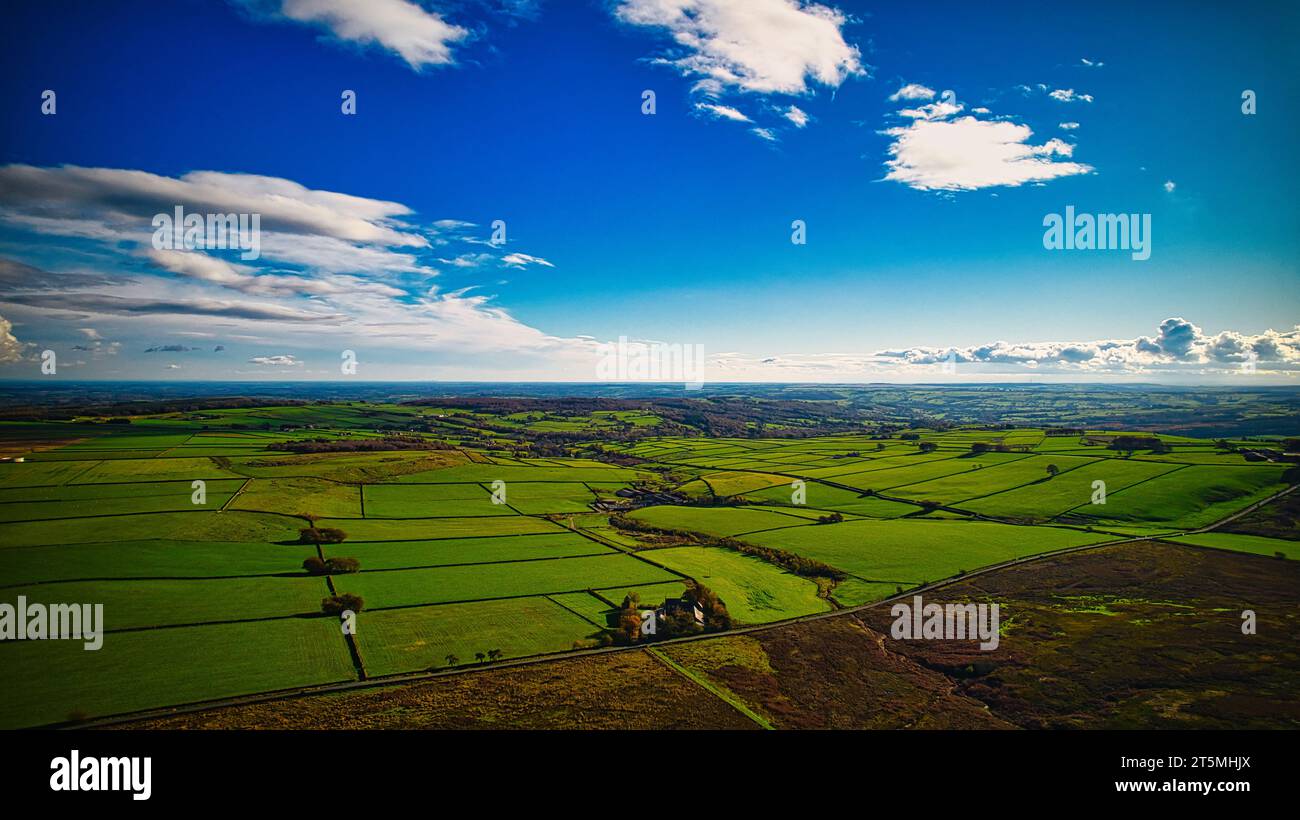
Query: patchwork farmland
point(469, 537)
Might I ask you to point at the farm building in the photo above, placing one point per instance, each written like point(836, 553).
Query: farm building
point(680, 606)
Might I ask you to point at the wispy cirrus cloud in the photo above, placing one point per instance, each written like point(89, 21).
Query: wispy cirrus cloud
point(521, 260)
point(722, 112)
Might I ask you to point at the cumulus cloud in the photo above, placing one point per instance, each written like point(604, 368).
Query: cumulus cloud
point(1067, 95)
point(796, 115)
point(912, 91)
point(11, 350)
point(938, 110)
point(1169, 186)
point(967, 154)
point(418, 35)
point(764, 46)
point(1177, 344)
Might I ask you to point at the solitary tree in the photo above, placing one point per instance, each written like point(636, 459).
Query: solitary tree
point(494, 654)
point(452, 660)
point(479, 656)
point(1052, 469)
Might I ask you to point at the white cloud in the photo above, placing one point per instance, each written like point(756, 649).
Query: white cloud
point(1177, 344)
point(764, 46)
point(764, 133)
point(1068, 95)
point(1169, 186)
point(937, 110)
point(796, 115)
point(967, 154)
point(1068, 126)
point(115, 204)
point(1084, 61)
point(912, 91)
point(519, 260)
point(364, 265)
point(281, 360)
point(419, 36)
point(722, 112)
point(11, 350)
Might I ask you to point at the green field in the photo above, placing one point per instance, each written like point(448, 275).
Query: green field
point(209, 601)
point(755, 592)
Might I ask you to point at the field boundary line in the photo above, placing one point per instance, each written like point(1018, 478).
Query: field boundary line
point(418, 677)
point(236, 494)
point(708, 686)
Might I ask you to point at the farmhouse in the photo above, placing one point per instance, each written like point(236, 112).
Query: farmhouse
point(680, 606)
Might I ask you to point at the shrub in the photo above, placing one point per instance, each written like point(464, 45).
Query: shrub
point(331, 566)
point(342, 566)
point(321, 535)
point(336, 604)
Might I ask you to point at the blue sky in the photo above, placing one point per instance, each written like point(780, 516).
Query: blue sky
point(924, 220)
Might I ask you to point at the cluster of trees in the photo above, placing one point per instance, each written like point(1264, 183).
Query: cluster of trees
point(979, 447)
point(716, 616)
point(348, 445)
point(1130, 443)
point(321, 535)
point(789, 561)
point(833, 518)
point(338, 604)
point(669, 625)
point(481, 657)
point(331, 566)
